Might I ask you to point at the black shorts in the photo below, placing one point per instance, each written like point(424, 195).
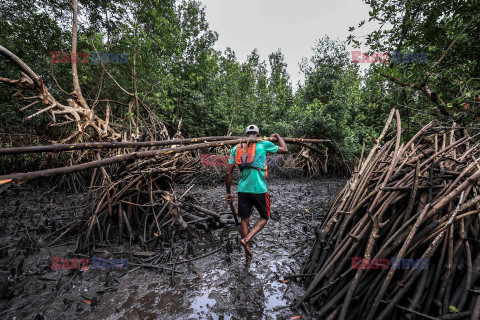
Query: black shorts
point(246, 201)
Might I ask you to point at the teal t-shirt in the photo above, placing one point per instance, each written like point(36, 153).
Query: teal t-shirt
point(251, 179)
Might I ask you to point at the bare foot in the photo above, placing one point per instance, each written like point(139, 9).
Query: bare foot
point(246, 246)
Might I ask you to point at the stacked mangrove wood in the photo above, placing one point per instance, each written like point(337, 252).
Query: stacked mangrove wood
point(418, 200)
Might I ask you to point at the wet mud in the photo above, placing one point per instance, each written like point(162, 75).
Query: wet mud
point(210, 280)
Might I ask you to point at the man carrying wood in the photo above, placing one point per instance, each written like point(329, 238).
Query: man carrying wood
point(251, 158)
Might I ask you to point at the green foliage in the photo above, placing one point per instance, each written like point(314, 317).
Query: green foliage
point(180, 75)
point(431, 27)
point(452, 309)
point(331, 103)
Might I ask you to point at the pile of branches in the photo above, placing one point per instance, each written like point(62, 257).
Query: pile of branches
point(138, 200)
point(310, 160)
point(418, 202)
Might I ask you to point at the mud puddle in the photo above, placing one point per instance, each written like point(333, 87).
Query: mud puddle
point(215, 283)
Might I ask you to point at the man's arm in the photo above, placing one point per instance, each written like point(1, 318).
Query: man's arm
point(283, 146)
point(228, 182)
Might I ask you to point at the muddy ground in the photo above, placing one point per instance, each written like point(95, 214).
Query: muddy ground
point(209, 281)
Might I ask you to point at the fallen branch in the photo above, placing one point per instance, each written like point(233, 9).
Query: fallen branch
point(146, 144)
point(22, 177)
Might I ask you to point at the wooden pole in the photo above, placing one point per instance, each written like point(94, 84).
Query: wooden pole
point(26, 176)
point(105, 145)
point(146, 144)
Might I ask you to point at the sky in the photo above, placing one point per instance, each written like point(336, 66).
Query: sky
point(290, 25)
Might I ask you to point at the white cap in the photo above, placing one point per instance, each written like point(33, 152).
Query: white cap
point(252, 128)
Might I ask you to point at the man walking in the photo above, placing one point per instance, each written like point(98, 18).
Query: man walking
point(251, 158)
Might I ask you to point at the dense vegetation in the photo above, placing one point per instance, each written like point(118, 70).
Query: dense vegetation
point(174, 69)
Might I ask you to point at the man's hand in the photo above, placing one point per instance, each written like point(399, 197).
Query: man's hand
point(275, 135)
point(229, 198)
point(283, 147)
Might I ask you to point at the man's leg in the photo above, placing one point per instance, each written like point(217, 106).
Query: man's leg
point(256, 229)
point(262, 203)
point(244, 227)
point(243, 233)
point(244, 212)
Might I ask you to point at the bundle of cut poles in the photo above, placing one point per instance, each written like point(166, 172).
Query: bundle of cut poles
point(401, 240)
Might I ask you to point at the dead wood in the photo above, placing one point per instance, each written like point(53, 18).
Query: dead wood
point(410, 200)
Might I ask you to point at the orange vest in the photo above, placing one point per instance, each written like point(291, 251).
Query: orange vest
point(245, 156)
